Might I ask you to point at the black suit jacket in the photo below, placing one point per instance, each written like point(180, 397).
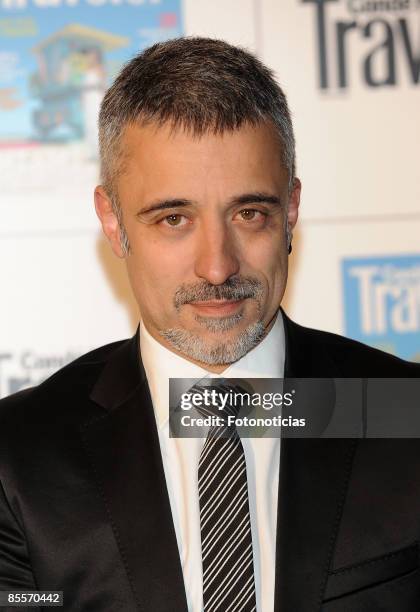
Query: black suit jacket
point(84, 506)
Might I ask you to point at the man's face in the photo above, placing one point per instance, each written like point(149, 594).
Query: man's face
point(206, 222)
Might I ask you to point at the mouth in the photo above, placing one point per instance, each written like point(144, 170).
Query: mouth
point(217, 307)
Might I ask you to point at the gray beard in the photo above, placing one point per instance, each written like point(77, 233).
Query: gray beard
point(191, 345)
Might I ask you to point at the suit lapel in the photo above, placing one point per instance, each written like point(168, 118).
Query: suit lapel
point(123, 445)
point(313, 481)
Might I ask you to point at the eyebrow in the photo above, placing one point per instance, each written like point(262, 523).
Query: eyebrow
point(257, 197)
point(164, 204)
point(246, 198)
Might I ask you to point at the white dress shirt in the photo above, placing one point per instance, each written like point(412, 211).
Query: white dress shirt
point(181, 456)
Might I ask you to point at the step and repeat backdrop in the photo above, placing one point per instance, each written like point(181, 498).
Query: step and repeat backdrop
point(351, 70)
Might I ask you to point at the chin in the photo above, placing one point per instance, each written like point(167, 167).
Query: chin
point(221, 326)
point(215, 347)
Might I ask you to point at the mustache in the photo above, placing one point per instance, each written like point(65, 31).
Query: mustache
point(236, 288)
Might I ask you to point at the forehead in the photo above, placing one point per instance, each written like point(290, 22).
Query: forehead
point(175, 162)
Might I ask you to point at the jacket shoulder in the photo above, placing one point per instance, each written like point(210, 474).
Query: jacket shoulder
point(350, 357)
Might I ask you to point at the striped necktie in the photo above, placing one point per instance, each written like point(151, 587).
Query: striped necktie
point(226, 541)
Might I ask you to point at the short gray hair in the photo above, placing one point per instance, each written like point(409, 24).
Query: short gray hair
point(199, 84)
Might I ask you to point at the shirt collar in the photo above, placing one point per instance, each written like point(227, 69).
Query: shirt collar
point(266, 360)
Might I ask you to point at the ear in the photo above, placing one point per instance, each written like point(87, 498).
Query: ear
point(108, 219)
point(294, 201)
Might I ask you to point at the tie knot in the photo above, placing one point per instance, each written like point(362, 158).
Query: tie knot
point(219, 398)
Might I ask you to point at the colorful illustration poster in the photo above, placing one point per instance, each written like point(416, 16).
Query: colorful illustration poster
point(57, 57)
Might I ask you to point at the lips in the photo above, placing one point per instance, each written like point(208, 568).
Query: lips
point(217, 307)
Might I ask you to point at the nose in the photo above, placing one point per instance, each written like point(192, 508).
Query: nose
point(216, 253)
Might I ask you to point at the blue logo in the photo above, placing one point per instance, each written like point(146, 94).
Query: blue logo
point(382, 303)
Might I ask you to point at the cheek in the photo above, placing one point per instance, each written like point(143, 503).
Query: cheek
point(156, 270)
point(268, 259)
point(266, 255)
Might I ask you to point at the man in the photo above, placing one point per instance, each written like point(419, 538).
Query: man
point(200, 197)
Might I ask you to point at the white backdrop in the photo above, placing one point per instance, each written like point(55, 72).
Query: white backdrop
point(63, 292)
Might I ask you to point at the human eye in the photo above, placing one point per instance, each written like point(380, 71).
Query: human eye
point(252, 214)
point(174, 220)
